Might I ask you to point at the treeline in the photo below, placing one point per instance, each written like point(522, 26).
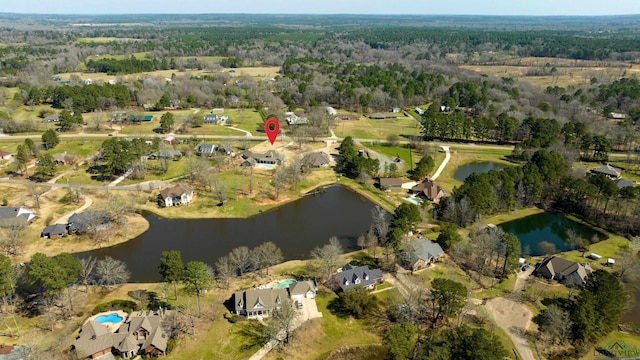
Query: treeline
point(130, 65)
point(541, 43)
point(392, 79)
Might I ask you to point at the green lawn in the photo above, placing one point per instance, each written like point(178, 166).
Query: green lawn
point(246, 119)
point(365, 128)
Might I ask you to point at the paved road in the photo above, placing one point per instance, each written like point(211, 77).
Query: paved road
point(447, 157)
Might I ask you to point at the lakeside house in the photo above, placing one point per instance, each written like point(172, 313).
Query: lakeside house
point(316, 160)
point(429, 189)
point(54, 231)
point(390, 183)
point(258, 302)
point(420, 253)
point(15, 216)
point(351, 276)
point(175, 196)
point(140, 334)
point(607, 170)
point(567, 272)
point(88, 221)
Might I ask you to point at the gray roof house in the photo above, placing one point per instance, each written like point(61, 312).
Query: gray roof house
point(621, 183)
point(88, 221)
point(140, 334)
point(270, 157)
point(206, 150)
point(54, 231)
point(608, 170)
point(211, 119)
point(166, 154)
point(316, 160)
point(258, 302)
point(51, 118)
point(15, 216)
point(352, 276)
point(420, 253)
point(567, 272)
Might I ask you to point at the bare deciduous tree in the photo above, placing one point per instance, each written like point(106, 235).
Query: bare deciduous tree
point(224, 270)
point(280, 324)
point(266, 255)
point(328, 255)
point(110, 271)
point(12, 239)
point(36, 192)
point(240, 258)
point(88, 264)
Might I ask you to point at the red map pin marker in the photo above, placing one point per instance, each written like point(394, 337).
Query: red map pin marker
point(272, 127)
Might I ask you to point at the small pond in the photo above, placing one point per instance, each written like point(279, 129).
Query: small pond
point(464, 171)
point(296, 228)
point(551, 228)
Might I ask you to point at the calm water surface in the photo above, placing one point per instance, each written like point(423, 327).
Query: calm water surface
point(464, 171)
point(296, 228)
point(552, 228)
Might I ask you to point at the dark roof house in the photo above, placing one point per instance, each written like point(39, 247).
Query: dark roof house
point(568, 272)
point(258, 302)
point(88, 221)
point(54, 231)
point(381, 116)
point(420, 253)
point(352, 276)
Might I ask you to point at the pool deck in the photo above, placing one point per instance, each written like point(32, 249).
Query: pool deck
point(111, 327)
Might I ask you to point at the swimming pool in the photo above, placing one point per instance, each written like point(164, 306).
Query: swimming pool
point(265, 166)
point(110, 318)
point(285, 283)
point(413, 200)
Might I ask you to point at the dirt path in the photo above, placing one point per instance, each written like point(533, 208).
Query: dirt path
point(514, 317)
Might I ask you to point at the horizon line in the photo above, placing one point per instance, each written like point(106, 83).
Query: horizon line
point(317, 14)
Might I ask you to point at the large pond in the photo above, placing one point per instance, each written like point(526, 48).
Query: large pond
point(464, 171)
point(550, 228)
point(296, 228)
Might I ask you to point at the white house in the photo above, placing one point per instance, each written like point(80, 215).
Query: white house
point(330, 111)
point(175, 196)
point(88, 81)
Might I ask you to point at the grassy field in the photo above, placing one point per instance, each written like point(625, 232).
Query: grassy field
point(365, 128)
point(563, 77)
point(246, 119)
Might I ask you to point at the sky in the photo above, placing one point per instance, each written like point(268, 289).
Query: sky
point(418, 7)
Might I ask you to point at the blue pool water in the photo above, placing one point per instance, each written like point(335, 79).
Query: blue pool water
point(413, 200)
point(111, 318)
point(285, 283)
